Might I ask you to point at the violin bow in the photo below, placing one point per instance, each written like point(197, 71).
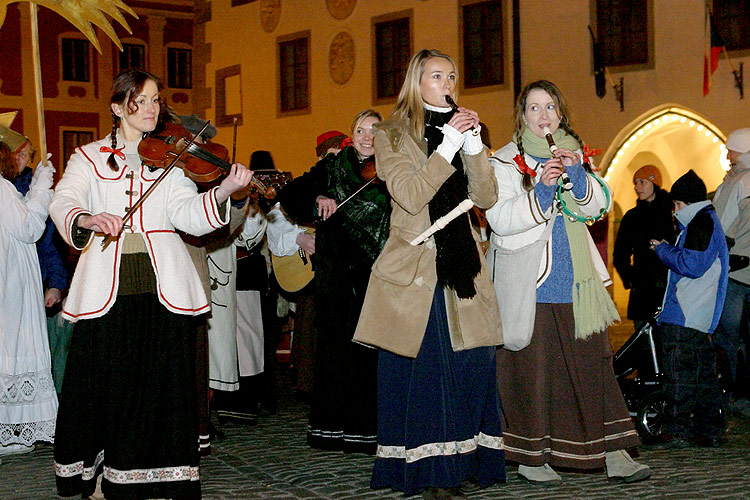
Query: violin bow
point(129, 213)
point(234, 141)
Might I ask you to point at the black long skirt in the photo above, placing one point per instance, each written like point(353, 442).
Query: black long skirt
point(128, 408)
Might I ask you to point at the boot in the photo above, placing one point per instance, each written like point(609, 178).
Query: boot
point(621, 467)
point(543, 475)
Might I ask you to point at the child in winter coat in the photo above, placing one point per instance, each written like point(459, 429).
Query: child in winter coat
point(698, 267)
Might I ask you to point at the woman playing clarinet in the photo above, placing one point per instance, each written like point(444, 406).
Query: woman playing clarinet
point(559, 393)
point(430, 308)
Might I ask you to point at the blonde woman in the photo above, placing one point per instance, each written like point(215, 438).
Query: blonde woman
point(430, 308)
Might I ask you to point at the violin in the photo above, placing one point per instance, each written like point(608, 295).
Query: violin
point(202, 163)
point(370, 176)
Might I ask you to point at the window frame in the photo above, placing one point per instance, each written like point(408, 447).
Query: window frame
point(281, 40)
point(132, 43)
point(461, 61)
point(407, 14)
point(623, 68)
point(172, 48)
point(65, 37)
point(66, 129)
point(222, 118)
point(735, 52)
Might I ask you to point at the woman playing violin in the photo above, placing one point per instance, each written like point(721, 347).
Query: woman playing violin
point(347, 241)
point(129, 409)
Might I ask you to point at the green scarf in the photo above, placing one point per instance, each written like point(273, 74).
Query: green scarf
point(537, 146)
point(593, 308)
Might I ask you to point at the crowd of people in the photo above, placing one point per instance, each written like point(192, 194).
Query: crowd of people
point(412, 341)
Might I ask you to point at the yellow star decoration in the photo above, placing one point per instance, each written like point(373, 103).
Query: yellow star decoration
point(82, 13)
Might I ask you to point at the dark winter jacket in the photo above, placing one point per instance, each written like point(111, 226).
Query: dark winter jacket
point(645, 275)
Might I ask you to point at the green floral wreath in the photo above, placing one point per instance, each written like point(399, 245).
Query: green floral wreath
point(573, 216)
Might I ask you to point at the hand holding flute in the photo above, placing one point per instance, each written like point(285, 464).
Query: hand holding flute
point(566, 184)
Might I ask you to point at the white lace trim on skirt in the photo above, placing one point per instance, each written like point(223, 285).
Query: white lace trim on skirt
point(440, 449)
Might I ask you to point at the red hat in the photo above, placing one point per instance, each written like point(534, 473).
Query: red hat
point(328, 140)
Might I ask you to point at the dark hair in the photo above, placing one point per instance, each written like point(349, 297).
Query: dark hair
point(126, 86)
point(7, 165)
point(563, 115)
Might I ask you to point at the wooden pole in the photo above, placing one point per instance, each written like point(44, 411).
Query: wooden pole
point(38, 82)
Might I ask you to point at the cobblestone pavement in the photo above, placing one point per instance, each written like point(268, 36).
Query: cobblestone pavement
point(272, 461)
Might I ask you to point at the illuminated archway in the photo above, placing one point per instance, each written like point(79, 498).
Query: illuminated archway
point(674, 139)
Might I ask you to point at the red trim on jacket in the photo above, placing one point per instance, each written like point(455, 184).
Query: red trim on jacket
point(111, 290)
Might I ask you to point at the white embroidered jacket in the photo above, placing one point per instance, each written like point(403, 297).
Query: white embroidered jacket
point(89, 186)
point(517, 219)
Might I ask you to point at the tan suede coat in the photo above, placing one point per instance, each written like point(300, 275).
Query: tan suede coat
point(403, 279)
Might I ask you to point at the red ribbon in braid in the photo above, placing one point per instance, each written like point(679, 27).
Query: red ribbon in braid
point(525, 169)
point(117, 152)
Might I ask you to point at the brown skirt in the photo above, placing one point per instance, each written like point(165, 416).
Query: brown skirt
point(560, 396)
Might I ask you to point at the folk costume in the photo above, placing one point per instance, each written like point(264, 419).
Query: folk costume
point(343, 405)
point(432, 312)
point(235, 325)
point(129, 409)
point(561, 400)
point(28, 403)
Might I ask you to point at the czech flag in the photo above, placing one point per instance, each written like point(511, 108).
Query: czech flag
point(714, 46)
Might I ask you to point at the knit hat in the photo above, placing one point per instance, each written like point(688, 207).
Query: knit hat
point(328, 140)
point(739, 140)
point(649, 173)
point(194, 124)
point(12, 139)
point(689, 188)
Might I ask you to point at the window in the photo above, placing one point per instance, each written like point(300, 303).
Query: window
point(482, 27)
point(622, 31)
point(133, 55)
point(294, 71)
point(180, 68)
point(731, 21)
point(73, 139)
point(75, 59)
point(235, 3)
point(392, 54)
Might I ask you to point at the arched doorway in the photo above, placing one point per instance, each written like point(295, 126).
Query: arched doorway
point(674, 139)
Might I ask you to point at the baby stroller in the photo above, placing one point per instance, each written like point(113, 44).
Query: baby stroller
point(638, 372)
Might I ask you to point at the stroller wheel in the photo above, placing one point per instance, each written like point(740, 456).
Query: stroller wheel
point(650, 416)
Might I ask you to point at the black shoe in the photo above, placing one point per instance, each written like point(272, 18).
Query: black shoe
point(470, 485)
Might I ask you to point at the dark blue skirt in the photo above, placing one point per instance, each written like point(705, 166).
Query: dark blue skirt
point(438, 415)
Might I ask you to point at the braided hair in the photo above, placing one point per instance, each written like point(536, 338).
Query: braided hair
point(563, 113)
point(126, 86)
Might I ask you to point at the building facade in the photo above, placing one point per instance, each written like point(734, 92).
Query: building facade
point(288, 70)
point(76, 79)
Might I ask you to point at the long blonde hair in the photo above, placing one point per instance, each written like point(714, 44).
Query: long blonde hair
point(410, 105)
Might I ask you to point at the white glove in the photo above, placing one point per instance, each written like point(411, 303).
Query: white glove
point(473, 141)
point(452, 142)
point(43, 176)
